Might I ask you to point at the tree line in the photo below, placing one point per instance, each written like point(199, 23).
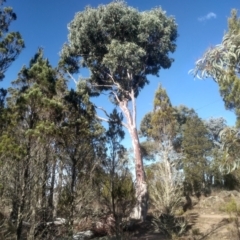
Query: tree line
point(57, 159)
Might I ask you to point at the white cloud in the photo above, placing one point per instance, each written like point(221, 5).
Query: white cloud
point(207, 17)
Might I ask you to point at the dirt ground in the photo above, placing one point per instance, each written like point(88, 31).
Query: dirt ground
point(209, 217)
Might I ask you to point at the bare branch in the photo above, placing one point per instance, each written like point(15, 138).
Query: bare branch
point(118, 85)
point(95, 85)
point(71, 76)
point(107, 120)
point(116, 96)
point(125, 125)
point(128, 75)
point(102, 119)
point(102, 109)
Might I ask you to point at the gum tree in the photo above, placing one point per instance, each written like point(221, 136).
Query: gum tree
point(222, 64)
point(121, 47)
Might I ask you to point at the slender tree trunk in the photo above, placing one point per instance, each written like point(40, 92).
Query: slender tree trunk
point(51, 194)
point(140, 210)
point(59, 187)
point(44, 188)
point(140, 175)
point(73, 183)
point(33, 210)
point(23, 198)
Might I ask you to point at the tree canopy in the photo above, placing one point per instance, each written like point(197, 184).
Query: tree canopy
point(58, 160)
point(11, 43)
point(120, 46)
point(222, 63)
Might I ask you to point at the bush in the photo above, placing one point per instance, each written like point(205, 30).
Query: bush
point(170, 225)
point(231, 207)
point(165, 188)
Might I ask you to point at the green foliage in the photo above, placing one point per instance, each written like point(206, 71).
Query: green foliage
point(165, 124)
point(11, 43)
point(145, 125)
point(121, 191)
point(182, 113)
point(118, 176)
point(214, 127)
point(120, 46)
point(196, 149)
point(30, 107)
point(232, 180)
point(230, 144)
point(163, 121)
point(231, 207)
point(117, 192)
point(50, 143)
point(27, 140)
point(221, 63)
point(165, 182)
point(160, 126)
point(170, 225)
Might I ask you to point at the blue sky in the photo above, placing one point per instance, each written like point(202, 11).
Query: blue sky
point(201, 24)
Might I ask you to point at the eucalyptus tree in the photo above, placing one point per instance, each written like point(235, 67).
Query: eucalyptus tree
point(224, 154)
point(221, 63)
point(230, 145)
point(121, 46)
point(214, 127)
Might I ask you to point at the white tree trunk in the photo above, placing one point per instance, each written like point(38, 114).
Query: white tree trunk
point(140, 210)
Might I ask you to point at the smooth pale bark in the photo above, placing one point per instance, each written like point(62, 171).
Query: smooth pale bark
point(140, 210)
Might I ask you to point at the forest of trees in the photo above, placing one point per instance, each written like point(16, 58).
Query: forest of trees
point(59, 161)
